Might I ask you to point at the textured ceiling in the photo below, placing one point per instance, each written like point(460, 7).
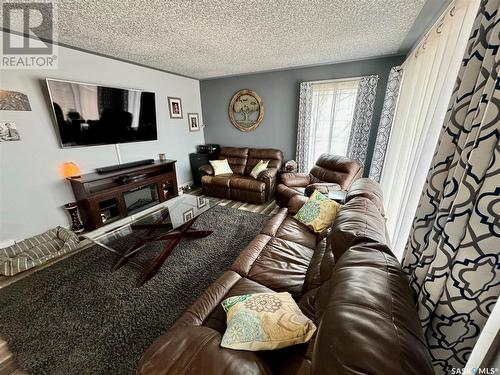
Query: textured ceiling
point(209, 38)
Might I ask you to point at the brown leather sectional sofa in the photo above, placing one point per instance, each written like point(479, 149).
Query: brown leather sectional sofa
point(349, 283)
point(331, 172)
point(240, 186)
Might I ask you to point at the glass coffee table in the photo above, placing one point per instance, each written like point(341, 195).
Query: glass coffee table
point(171, 223)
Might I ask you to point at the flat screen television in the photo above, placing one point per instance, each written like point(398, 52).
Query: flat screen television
point(88, 115)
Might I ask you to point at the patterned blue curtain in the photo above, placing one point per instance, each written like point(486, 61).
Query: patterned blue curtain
point(453, 254)
point(386, 120)
point(304, 127)
point(362, 121)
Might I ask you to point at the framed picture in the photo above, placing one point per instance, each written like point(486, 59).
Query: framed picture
point(175, 107)
point(8, 131)
point(194, 122)
point(14, 101)
point(201, 201)
point(188, 215)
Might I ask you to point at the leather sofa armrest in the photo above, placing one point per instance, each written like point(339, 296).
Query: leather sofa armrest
point(296, 179)
point(322, 187)
point(268, 174)
point(206, 170)
point(295, 204)
point(197, 350)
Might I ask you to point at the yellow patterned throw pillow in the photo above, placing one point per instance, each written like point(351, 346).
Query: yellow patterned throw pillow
point(319, 212)
point(220, 167)
point(261, 166)
point(264, 321)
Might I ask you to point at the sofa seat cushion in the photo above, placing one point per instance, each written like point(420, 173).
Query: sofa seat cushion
point(282, 266)
point(247, 183)
point(219, 181)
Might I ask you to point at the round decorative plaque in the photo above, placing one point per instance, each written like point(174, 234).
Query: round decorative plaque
point(246, 110)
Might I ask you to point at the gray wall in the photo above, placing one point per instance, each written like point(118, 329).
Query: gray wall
point(280, 93)
point(32, 191)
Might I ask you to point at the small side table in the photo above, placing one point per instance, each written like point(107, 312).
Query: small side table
point(338, 196)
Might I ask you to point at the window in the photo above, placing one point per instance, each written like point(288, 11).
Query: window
point(332, 114)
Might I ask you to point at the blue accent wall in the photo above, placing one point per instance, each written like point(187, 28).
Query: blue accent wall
point(280, 92)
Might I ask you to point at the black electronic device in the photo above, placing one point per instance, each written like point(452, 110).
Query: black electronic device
point(128, 179)
point(208, 149)
point(118, 167)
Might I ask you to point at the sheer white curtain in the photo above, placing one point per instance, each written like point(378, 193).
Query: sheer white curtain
point(332, 112)
point(430, 72)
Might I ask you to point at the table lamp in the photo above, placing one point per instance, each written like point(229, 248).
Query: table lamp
point(70, 169)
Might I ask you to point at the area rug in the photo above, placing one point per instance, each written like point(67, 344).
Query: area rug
point(77, 317)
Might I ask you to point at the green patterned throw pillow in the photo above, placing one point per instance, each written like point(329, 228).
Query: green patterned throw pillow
point(264, 321)
point(319, 212)
point(261, 166)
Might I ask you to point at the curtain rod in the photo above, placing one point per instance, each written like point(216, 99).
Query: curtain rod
point(335, 80)
point(448, 13)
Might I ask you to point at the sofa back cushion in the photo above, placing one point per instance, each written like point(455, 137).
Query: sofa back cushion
point(367, 188)
point(255, 155)
point(335, 169)
point(236, 157)
point(368, 323)
point(358, 221)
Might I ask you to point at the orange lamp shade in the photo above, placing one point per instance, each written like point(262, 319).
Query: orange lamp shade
point(70, 169)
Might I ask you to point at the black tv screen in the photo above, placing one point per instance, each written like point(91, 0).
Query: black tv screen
point(88, 114)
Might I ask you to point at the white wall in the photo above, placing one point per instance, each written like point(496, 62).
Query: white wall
point(32, 191)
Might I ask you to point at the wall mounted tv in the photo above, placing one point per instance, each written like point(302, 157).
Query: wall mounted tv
point(88, 114)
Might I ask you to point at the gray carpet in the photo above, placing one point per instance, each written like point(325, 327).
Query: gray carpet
point(76, 317)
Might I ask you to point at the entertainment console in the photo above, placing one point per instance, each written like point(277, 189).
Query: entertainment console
point(105, 197)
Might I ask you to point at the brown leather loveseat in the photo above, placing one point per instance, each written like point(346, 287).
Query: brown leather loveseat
point(331, 172)
point(240, 186)
point(349, 284)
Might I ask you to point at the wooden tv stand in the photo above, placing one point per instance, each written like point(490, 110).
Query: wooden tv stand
point(106, 197)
